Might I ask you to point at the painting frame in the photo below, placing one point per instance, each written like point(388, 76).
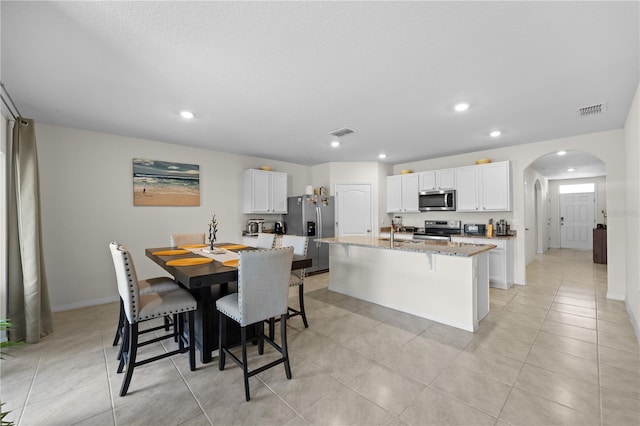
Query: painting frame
point(165, 183)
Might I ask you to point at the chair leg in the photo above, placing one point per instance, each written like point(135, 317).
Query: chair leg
point(122, 355)
point(131, 355)
point(285, 351)
point(120, 325)
point(192, 341)
point(178, 331)
point(272, 328)
point(261, 339)
point(302, 311)
point(245, 367)
point(175, 321)
point(222, 341)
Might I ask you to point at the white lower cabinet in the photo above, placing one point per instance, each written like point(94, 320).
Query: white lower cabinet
point(501, 259)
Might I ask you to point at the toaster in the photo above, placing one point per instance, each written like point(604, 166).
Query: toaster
point(475, 228)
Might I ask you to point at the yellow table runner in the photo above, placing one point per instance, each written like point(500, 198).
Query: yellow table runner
point(169, 252)
point(233, 247)
point(190, 246)
point(189, 261)
point(233, 263)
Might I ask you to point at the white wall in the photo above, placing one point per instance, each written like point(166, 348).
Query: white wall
point(554, 191)
point(608, 146)
point(632, 217)
point(536, 232)
point(87, 201)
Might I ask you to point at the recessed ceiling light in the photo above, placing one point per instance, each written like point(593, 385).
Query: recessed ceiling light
point(561, 152)
point(463, 106)
point(186, 114)
point(335, 144)
point(382, 156)
point(495, 133)
point(571, 169)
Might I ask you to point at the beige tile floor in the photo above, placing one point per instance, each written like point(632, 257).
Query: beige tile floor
point(553, 352)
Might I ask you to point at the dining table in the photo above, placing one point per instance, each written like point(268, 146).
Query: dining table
point(208, 282)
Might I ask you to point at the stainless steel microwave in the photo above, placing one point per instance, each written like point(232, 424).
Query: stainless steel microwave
point(437, 200)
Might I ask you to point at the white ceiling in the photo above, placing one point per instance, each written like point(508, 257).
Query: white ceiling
point(554, 166)
point(271, 79)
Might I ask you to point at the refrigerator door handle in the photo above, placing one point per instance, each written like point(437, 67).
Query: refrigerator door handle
point(319, 220)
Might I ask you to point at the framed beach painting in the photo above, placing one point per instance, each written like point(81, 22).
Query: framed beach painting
point(164, 183)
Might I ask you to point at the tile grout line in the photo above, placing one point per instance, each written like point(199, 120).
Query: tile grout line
point(106, 367)
point(206, 416)
point(26, 400)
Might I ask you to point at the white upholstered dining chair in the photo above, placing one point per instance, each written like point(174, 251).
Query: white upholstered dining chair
point(142, 307)
point(176, 240)
point(263, 292)
point(300, 245)
point(266, 241)
point(146, 286)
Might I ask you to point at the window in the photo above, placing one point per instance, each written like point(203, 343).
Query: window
point(573, 189)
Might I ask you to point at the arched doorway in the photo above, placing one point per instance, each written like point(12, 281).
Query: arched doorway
point(549, 173)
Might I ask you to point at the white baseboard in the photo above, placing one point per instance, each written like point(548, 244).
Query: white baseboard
point(634, 322)
point(615, 296)
point(84, 304)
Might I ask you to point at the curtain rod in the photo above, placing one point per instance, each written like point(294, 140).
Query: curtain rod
point(4, 101)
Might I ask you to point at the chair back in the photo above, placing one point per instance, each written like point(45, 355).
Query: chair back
point(263, 284)
point(127, 280)
point(266, 241)
point(299, 244)
point(176, 240)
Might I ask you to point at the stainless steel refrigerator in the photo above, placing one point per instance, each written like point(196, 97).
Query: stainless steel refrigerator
point(313, 216)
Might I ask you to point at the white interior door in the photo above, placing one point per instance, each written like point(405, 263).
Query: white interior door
point(354, 209)
point(577, 220)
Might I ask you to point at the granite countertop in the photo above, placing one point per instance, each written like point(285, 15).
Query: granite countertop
point(425, 246)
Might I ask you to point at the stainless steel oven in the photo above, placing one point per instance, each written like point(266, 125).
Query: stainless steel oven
point(437, 200)
point(439, 230)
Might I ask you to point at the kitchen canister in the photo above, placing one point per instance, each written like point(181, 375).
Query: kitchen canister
point(309, 190)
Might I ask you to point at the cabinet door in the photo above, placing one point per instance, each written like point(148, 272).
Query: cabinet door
point(410, 185)
point(497, 269)
point(259, 191)
point(427, 181)
point(467, 189)
point(445, 179)
point(496, 187)
point(394, 194)
point(278, 192)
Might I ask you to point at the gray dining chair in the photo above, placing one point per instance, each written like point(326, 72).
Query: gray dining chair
point(142, 307)
point(300, 245)
point(146, 286)
point(263, 290)
point(176, 240)
point(266, 241)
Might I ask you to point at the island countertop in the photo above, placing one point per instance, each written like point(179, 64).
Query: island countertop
point(425, 246)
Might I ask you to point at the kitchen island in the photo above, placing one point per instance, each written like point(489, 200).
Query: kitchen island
point(438, 280)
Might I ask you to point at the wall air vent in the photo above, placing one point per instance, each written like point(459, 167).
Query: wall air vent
point(592, 110)
point(341, 132)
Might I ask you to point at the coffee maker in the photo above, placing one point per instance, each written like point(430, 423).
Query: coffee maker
point(280, 228)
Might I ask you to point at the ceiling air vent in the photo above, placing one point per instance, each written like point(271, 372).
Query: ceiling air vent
point(341, 132)
point(592, 110)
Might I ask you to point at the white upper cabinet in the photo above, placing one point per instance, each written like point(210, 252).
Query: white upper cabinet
point(484, 188)
point(265, 192)
point(402, 193)
point(496, 186)
point(437, 179)
point(467, 189)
